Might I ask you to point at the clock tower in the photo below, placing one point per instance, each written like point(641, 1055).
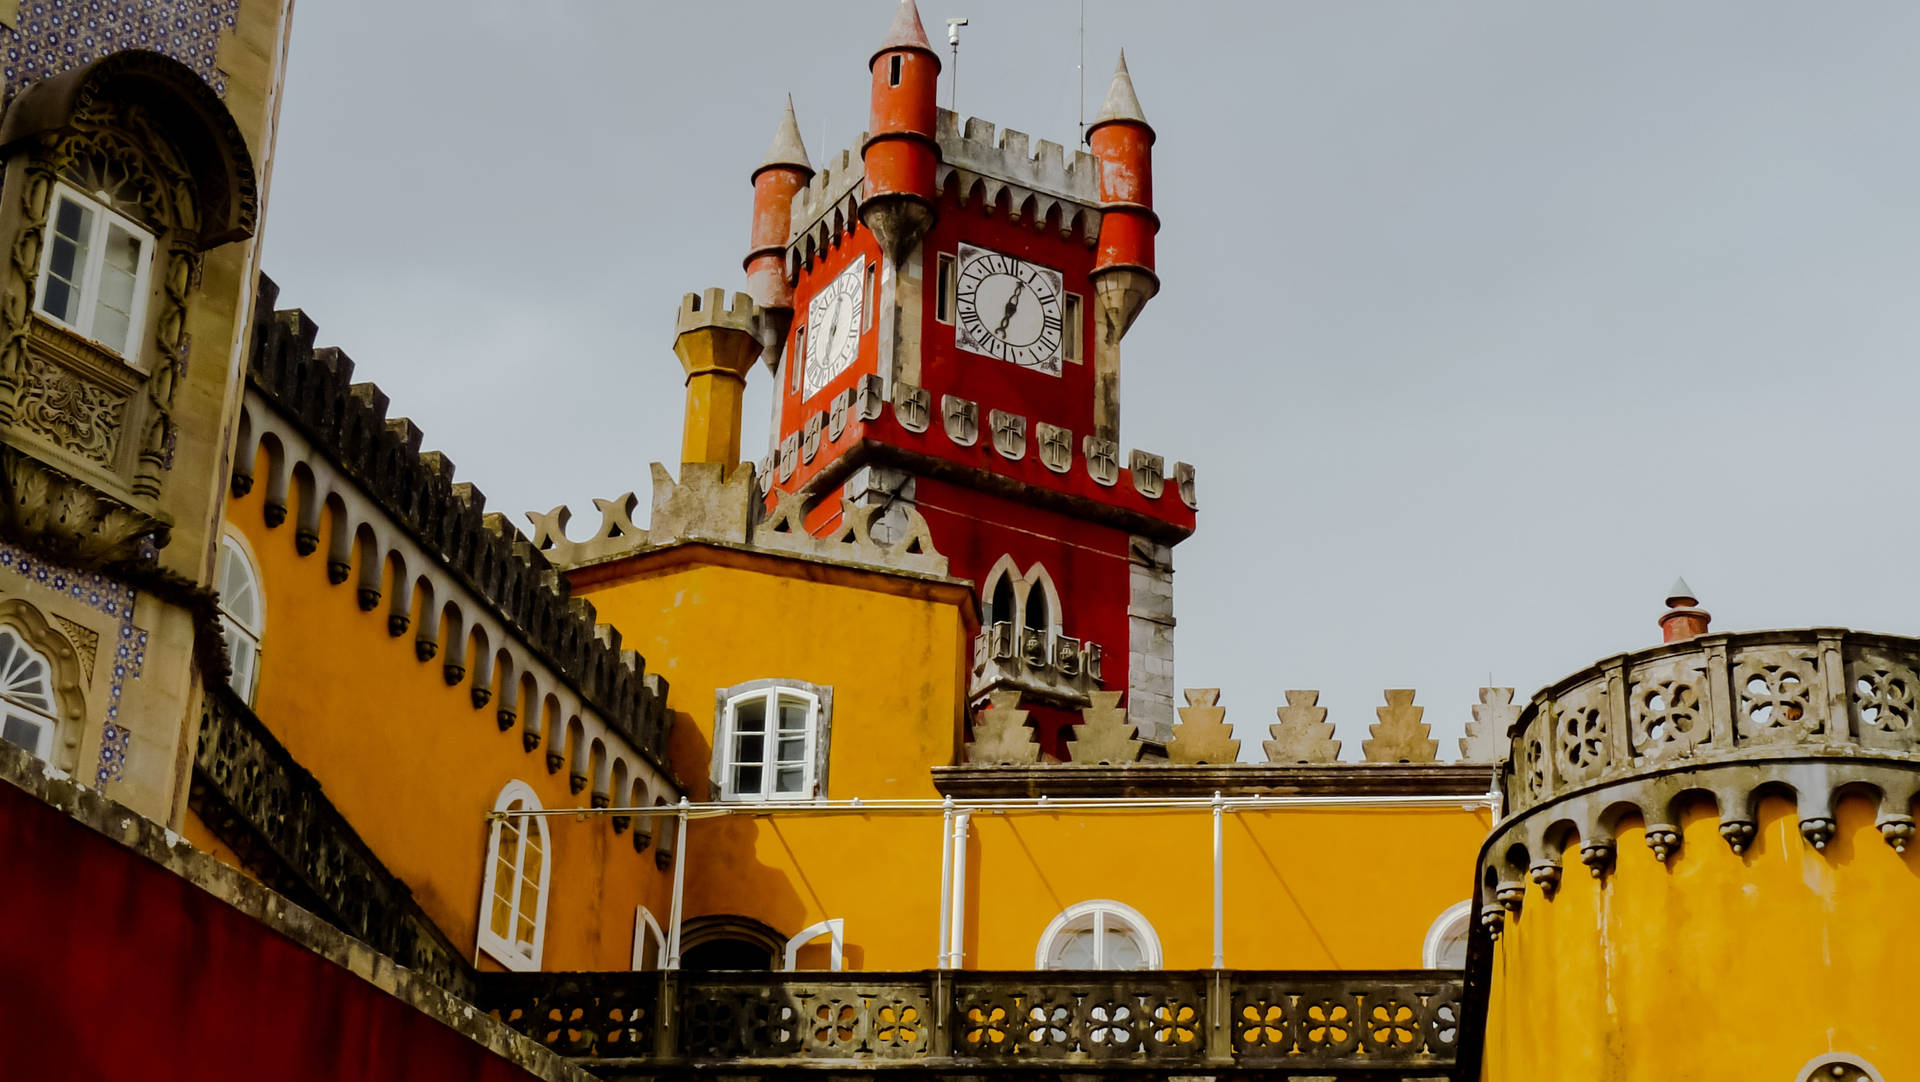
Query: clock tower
point(947, 304)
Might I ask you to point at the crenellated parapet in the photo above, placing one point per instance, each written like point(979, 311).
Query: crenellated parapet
point(1722, 719)
point(356, 485)
point(709, 504)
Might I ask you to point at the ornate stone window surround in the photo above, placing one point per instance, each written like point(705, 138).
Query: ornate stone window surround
point(531, 841)
point(30, 629)
point(1103, 917)
point(726, 703)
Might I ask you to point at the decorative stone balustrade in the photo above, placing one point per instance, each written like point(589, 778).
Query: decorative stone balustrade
point(1382, 1023)
point(1728, 718)
point(1057, 668)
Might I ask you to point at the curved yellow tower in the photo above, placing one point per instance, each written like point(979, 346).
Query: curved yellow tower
point(1704, 870)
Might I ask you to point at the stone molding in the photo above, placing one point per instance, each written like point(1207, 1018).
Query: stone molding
point(1469, 782)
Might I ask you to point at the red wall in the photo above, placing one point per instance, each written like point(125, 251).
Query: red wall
point(114, 968)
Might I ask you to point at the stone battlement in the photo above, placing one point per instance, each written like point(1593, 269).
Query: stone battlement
point(347, 422)
point(1012, 157)
point(709, 504)
point(708, 308)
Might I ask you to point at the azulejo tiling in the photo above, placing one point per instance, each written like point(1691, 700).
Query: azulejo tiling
point(116, 600)
point(52, 36)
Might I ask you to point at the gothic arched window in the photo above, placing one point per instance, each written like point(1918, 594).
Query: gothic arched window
point(242, 616)
point(26, 690)
point(513, 902)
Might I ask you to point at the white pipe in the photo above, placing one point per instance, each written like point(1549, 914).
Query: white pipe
point(1021, 804)
point(946, 884)
point(679, 887)
point(956, 930)
point(1219, 886)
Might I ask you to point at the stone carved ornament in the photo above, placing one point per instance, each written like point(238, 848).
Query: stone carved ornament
point(1009, 434)
point(1303, 735)
point(1203, 735)
point(1399, 736)
point(1104, 737)
point(962, 419)
point(1056, 447)
point(1001, 734)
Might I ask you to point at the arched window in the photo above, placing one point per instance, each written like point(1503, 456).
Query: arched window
point(1037, 616)
point(770, 741)
point(1001, 607)
point(1098, 934)
point(729, 942)
point(513, 901)
point(1837, 1067)
point(1446, 946)
point(241, 615)
point(26, 692)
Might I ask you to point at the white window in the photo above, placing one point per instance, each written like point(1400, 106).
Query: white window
point(93, 273)
point(770, 742)
point(834, 929)
point(1098, 935)
point(649, 942)
point(1446, 946)
point(513, 902)
point(241, 615)
point(1075, 324)
point(26, 696)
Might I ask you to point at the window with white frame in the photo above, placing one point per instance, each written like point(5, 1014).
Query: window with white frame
point(1446, 946)
point(513, 901)
point(771, 741)
point(241, 615)
point(1099, 934)
point(26, 696)
point(94, 273)
point(649, 942)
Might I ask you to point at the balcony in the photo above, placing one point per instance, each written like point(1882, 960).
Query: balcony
point(1387, 1024)
point(1049, 667)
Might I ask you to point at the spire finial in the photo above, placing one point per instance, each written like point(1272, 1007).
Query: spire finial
point(906, 33)
point(787, 149)
point(1684, 618)
point(1122, 103)
point(1680, 595)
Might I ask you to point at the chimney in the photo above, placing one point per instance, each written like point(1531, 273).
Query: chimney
point(1684, 618)
point(717, 345)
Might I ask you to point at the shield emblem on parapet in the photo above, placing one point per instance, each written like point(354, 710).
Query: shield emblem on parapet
point(789, 455)
point(837, 415)
point(1149, 474)
point(1103, 459)
point(912, 407)
point(962, 419)
point(867, 398)
point(1009, 434)
point(1056, 447)
point(810, 445)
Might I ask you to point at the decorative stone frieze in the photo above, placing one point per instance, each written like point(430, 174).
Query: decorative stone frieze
point(868, 397)
point(1056, 447)
point(837, 415)
point(1149, 474)
point(1056, 668)
point(961, 418)
point(1009, 434)
point(912, 407)
point(1103, 459)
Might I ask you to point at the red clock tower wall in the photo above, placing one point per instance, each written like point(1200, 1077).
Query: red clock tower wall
point(1009, 450)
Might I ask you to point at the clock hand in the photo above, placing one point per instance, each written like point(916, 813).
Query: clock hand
point(1013, 305)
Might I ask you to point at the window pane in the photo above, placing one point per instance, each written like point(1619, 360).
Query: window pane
point(793, 749)
point(1453, 950)
point(72, 226)
point(119, 269)
point(793, 715)
point(57, 298)
point(750, 716)
point(749, 748)
point(1074, 950)
point(746, 779)
point(1124, 950)
point(791, 779)
point(23, 732)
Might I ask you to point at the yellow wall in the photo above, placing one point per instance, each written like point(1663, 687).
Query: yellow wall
point(1720, 966)
point(416, 768)
point(1305, 888)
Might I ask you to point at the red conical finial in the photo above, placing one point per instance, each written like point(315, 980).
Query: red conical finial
point(775, 181)
point(902, 149)
point(1684, 619)
point(1124, 278)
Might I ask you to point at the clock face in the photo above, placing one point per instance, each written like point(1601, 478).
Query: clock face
point(1008, 308)
point(834, 317)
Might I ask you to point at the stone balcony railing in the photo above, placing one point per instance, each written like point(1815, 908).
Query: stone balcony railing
point(1727, 718)
point(1048, 666)
point(977, 1023)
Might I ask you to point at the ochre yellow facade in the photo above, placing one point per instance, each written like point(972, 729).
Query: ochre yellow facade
point(1716, 965)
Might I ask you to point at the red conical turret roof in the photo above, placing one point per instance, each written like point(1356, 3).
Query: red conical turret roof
point(905, 33)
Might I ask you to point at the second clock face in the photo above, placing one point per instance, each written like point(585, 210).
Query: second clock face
point(834, 318)
point(1008, 308)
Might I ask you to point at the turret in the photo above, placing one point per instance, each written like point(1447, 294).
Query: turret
point(901, 150)
point(784, 172)
point(716, 345)
point(1684, 618)
point(1123, 274)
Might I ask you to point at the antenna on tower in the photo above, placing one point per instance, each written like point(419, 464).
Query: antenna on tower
point(1081, 71)
point(953, 81)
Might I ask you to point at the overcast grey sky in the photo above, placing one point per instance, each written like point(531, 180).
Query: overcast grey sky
point(1481, 320)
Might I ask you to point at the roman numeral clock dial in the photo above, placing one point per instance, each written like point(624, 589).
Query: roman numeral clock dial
point(1008, 308)
point(834, 319)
